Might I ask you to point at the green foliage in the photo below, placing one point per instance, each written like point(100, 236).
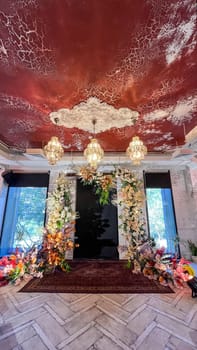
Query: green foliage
point(129, 265)
point(65, 266)
point(192, 247)
point(103, 195)
point(14, 274)
point(103, 184)
point(67, 199)
point(59, 224)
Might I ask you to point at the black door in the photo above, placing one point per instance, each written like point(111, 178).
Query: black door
point(97, 227)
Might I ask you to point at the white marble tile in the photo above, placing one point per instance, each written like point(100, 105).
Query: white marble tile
point(85, 340)
point(180, 330)
point(114, 311)
point(16, 338)
point(34, 343)
point(117, 329)
point(51, 328)
point(82, 320)
point(105, 343)
point(41, 321)
point(141, 321)
point(156, 340)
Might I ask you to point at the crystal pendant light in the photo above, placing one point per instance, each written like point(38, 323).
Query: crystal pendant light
point(53, 150)
point(94, 153)
point(136, 150)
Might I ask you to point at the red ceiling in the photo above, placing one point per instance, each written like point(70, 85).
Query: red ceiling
point(139, 54)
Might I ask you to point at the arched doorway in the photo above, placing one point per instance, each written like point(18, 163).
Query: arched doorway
point(97, 227)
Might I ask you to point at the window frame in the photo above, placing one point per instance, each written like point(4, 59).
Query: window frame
point(13, 179)
point(160, 180)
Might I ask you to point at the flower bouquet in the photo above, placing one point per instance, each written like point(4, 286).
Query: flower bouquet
point(103, 183)
point(19, 266)
point(166, 269)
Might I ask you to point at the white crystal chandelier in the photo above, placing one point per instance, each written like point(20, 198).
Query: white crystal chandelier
point(53, 151)
point(94, 153)
point(136, 150)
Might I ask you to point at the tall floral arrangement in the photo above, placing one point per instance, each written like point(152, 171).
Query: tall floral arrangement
point(131, 199)
point(141, 254)
point(59, 205)
point(60, 227)
point(58, 239)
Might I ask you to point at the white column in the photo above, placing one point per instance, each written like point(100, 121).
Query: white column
point(1, 178)
point(185, 208)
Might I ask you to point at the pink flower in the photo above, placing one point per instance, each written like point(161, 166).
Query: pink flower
point(183, 261)
point(160, 251)
point(4, 261)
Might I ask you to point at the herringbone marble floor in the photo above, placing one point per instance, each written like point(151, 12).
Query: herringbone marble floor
point(97, 322)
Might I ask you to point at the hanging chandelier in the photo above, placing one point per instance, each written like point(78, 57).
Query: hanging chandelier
point(53, 151)
point(93, 153)
point(136, 150)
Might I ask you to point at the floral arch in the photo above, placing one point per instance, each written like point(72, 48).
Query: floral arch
point(130, 200)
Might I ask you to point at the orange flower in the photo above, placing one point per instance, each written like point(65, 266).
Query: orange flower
point(59, 234)
point(33, 260)
point(161, 279)
point(70, 244)
point(20, 264)
point(12, 257)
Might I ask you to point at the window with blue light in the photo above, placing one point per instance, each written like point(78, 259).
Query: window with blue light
point(160, 211)
point(24, 213)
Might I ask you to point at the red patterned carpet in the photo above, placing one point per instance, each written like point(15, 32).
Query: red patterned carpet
point(95, 276)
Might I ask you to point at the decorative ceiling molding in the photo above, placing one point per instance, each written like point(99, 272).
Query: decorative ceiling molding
point(107, 117)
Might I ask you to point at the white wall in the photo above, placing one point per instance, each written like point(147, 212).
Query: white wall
point(185, 203)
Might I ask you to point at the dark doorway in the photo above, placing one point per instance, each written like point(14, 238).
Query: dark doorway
point(97, 227)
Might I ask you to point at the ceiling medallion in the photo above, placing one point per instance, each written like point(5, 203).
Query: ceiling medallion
point(107, 117)
point(94, 153)
point(136, 150)
point(53, 151)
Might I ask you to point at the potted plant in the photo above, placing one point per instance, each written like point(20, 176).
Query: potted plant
point(193, 249)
